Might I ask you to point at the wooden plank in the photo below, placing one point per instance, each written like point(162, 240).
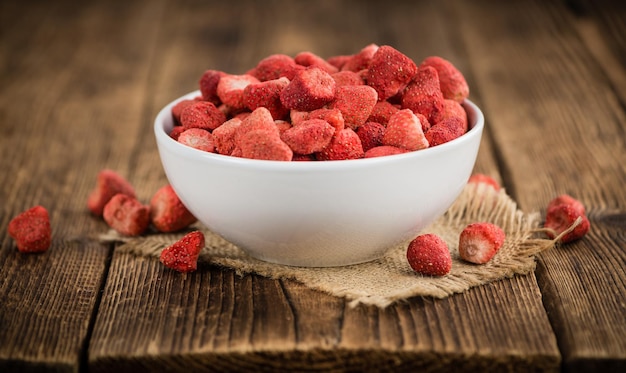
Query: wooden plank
point(63, 113)
point(571, 102)
point(214, 320)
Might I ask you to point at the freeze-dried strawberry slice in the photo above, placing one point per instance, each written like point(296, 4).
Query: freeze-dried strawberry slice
point(183, 255)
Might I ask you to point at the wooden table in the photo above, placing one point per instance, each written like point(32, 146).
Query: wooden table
point(80, 84)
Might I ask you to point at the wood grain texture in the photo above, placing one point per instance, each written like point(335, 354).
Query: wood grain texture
point(583, 284)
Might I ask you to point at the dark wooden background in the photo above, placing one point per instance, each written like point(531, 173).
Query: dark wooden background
point(81, 82)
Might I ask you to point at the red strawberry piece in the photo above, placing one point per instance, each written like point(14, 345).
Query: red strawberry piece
point(310, 89)
point(355, 103)
point(177, 109)
point(371, 135)
point(451, 80)
point(230, 89)
point(428, 254)
point(404, 130)
point(202, 114)
point(31, 230)
point(224, 136)
point(383, 150)
point(560, 217)
point(311, 59)
point(276, 66)
point(423, 94)
point(176, 131)
point(266, 94)
point(389, 72)
point(183, 255)
point(197, 138)
point(339, 60)
point(109, 183)
point(167, 212)
point(333, 116)
point(566, 199)
point(479, 242)
point(485, 179)
point(208, 86)
point(344, 145)
point(361, 60)
point(347, 78)
point(259, 119)
point(382, 111)
point(297, 116)
point(282, 126)
point(266, 145)
point(309, 136)
point(127, 215)
point(444, 131)
point(451, 109)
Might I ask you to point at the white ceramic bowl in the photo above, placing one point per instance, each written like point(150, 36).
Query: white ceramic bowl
point(318, 214)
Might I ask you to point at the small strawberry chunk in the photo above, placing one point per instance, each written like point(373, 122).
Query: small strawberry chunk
point(310, 89)
point(265, 144)
point(404, 130)
point(208, 86)
point(178, 109)
point(566, 199)
point(389, 72)
point(451, 109)
point(344, 145)
point(266, 94)
point(339, 60)
point(428, 254)
point(371, 135)
point(176, 131)
point(333, 116)
point(560, 217)
point(167, 212)
point(423, 94)
point(230, 89)
point(355, 103)
point(383, 150)
point(197, 138)
point(201, 114)
point(308, 59)
point(259, 119)
point(485, 179)
point(224, 136)
point(309, 137)
point(126, 215)
point(444, 131)
point(183, 255)
point(276, 66)
point(109, 183)
point(382, 111)
point(479, 242)
point(31, 230)
point(452, 82)
point(360, 60)
point(347, 78)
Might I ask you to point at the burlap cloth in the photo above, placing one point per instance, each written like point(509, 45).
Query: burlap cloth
point(390, 279)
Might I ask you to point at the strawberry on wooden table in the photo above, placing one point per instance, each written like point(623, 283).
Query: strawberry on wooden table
point(31, 230)
point(479, 242)
point(182, 256)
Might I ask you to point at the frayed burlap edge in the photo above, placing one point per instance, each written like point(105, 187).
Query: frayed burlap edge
point(389, 279)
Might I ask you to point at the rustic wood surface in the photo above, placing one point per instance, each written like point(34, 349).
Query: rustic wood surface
point(80, 84)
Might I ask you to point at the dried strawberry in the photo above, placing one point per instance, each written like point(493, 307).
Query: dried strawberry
point(310, 89)
point(479, 242)
point(404, 130)
point(371, 135)
point(444, 131)
point(451, 80)
point(382, 111)
point(344, 145)
point(167, 212)
point(182, 256)
point(560, 217)
point(566, 199)
point(276, 66)
point(311, 59)
point(389, 72)
point(485, 179)
point(264, 144)
point(355, 103)
point(230, 89)
point(208, 86)
point(109, 183)
point(224, 136)
point(267, 94)
point(428, 254)
point(127, 215)
point(423, 94)
point(383, 150)
point(347, 78)
point(201, 114)
point(197, 138)
point(360, 60)
point(309, 137)
point(31, 230)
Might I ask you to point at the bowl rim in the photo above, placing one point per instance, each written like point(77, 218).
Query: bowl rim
point(163, 138)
